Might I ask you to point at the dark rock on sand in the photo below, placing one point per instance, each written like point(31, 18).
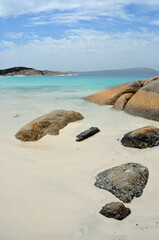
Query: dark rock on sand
point(16, 116)
point(49, 123)
point(86, 134)
point(115, 210)
point(142, 138)
point(125, 181)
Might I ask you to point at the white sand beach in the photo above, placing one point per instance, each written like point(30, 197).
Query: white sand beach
point(47, 187)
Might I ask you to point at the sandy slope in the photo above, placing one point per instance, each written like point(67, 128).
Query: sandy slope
point(46, 187)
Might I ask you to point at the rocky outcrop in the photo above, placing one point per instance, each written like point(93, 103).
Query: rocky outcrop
point(140, 98)
point(122, 101)
point(110, 96)
point(49, 123)
point(115, 210)
point(145, 103)
point(86, 134)
point(24, 71)
point(142, 138)
point(125, 181)
point(147, 81)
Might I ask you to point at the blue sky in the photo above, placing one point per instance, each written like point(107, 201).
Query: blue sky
point(79, 35)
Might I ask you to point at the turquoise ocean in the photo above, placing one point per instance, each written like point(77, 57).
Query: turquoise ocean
point(58, 84)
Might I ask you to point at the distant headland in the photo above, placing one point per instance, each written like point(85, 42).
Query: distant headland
point(141, 71)
point(24, 71)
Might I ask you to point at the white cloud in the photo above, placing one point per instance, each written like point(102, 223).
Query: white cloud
point(82, 9)
point(80, 49)
point(84, 50)
point(156, 22)
point(14, 35)
point(7, 44)
point(20, 35)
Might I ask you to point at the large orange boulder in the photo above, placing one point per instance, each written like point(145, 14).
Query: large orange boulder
point(109, 96)
point(145, 103)
point(50, 123)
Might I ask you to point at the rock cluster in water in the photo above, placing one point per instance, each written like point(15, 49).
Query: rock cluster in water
point(140, 98)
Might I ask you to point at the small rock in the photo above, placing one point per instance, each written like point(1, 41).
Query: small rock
point(125, 181)
point(115, 210)
point(15, 116)
point(142, 138)
point(86, 134)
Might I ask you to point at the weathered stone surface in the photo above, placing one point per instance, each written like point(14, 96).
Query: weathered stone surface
point(125, 181)
point(115, 210)
point(145, 82)
point(86, 134)
point(121, 101)
point(109, 96)
point(145, 103)
point(49, 123)
point(142, 138)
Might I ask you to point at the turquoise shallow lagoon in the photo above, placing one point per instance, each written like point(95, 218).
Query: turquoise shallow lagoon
point(62, 88)
point(56, 82)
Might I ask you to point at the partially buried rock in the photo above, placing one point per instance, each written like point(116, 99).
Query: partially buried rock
point(49, 123)
point(125, 181)
point(115, 210)
point(86, 134)
point(142, 138)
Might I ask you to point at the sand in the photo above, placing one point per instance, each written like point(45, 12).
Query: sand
point(47, 187)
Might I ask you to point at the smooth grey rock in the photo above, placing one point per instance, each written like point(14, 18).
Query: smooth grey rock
point(125, 181)
point(142, 138)
point(86, 134)
point(115, 210)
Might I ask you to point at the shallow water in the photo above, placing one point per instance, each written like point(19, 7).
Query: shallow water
point(24, 98)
